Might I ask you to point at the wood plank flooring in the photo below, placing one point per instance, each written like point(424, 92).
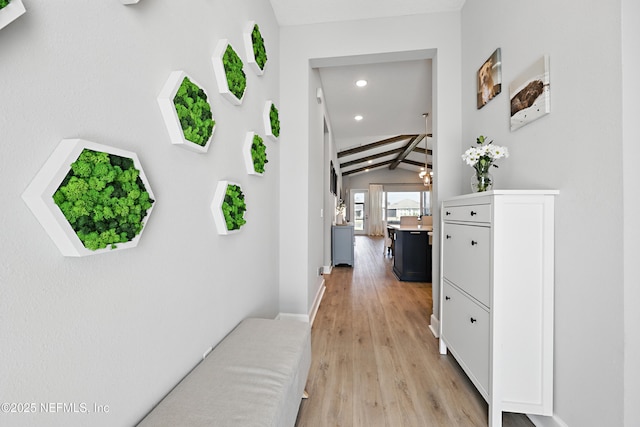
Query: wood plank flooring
point(375, 361)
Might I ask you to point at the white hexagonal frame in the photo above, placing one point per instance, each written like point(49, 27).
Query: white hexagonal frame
point(248, 47)
point(221, 75)
point(266, 119)
point(170, 115)
point(11, 12)
point(216, 208)
point(39, 196)
point(246, 153)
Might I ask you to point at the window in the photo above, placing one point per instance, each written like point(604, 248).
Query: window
point(406, 203)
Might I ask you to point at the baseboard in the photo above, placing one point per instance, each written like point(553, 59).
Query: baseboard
point(435, 326)
point(309, 318)
point(293, 316)
point(316, 302)
point(553, 421)
point(326, 269)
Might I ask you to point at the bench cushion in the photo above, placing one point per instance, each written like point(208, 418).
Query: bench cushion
point(254, 377)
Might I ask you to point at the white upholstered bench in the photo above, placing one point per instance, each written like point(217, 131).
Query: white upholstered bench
point(254, 377)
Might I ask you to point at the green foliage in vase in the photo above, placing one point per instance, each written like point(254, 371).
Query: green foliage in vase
point(104, 199)
point(234, 207)
point(275, 121)
point(259, 51)
point(236, 78)
point(259, 154)
point(194, 112)
point(4, 3)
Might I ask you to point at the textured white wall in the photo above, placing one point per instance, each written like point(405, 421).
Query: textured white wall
point(120, 329)
point(576, 149)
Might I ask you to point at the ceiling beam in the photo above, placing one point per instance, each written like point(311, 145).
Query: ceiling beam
point(374, 145)
point(372, 157)
point(362, 169)
point(414, 163)
point(423, 151)
point(413, 142)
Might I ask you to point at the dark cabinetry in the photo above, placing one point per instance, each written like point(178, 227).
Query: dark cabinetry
point(412, 257)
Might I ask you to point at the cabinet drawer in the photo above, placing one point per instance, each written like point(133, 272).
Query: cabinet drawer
point(465, 328)
point(466, 259)
point(472, 213)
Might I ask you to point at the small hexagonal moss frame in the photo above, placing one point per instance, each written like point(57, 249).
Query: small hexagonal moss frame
point(62, 168)
point(177, 133)
point(254, 47)
point(271, 119)
point(255, 154)
point(228, 207)
point(11, 12)
point(229, 71)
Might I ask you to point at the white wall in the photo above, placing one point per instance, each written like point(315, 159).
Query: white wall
point(576, 149)
point(120, 329)
point(302, 44)
point(631, 150)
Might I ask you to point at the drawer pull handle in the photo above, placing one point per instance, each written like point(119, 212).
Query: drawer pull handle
point(473, 243)
point(447, 298)
point(447, 213)
point(473, 320)
point(473, 213)
point(448, 236)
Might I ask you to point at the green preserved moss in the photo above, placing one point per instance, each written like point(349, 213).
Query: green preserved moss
point(104, 199)
point(275, 121)
point(194, 112)
point(4, 3)
point(259, 154)
point(234, 207)
point(259, 51)
point(236, 78)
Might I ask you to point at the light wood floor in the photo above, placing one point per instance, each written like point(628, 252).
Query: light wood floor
point(375, 361)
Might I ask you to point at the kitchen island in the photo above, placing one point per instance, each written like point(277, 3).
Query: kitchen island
point(412, 252)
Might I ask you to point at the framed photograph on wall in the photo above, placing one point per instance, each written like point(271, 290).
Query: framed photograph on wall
point(529, 94)
point(489, 79)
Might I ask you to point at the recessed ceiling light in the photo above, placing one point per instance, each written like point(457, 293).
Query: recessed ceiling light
point(358, 117)
point(370, 161)
point(361, 83)
point(366, 170)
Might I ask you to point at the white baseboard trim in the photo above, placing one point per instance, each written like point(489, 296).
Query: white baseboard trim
point(309, 318)
point(292, 316)
point(435, 326)
point(553, 421)
point(326, 269)
point(316, 303)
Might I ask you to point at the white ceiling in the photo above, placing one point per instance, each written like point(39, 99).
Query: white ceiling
point(398, 91)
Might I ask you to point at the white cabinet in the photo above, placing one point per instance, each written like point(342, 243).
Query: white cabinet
point(496, 296)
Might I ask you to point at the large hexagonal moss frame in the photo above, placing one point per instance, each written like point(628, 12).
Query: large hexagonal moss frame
point(170, 115)
point(247, 153)
point(39, 196)
point(221, 75)
point(217, 207)
point(11, 12)
point(250, 30)
point(271, 127)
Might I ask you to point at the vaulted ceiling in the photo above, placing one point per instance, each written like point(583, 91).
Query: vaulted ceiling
point(395, 100)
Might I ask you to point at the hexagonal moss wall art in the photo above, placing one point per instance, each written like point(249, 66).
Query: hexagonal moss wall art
point(187, 113)
point(255, 154)
point(254, 47)
point(229, 72)
point(228, 207)
point(271, 119)
point(91, 198)
point(10, 10)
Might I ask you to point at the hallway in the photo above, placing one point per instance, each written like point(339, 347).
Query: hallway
point(375, 361)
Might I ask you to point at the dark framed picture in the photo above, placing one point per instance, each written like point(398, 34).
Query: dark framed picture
point(529, 94)
point(490, 79)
